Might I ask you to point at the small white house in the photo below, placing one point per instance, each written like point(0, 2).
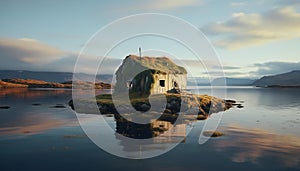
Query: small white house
point(158, 75)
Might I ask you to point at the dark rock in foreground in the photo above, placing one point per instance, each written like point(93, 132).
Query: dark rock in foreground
point(4, 107)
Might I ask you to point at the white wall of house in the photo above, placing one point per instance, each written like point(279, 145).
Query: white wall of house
point(169, 80)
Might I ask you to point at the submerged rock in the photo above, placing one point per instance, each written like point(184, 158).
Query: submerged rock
point(240, 106)
point(202, 117)
point(4, 107)
point(59, 106)
point(213, 133)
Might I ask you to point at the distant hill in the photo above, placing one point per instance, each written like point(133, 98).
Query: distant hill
point(18, 83)
point(194, 81)
point(233, 81)
point(4, 84)
point(49, 76)
point(29, 83)
point(286, 79)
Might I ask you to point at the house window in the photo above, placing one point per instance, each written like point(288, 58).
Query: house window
point(175, 84)
point(162, 83)
point(129, 84)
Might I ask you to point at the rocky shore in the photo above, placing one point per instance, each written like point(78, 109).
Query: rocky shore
point(4, 84)
point(28, 83)
point(188, 104)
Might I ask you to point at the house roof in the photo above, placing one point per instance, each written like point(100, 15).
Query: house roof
point(161, 64)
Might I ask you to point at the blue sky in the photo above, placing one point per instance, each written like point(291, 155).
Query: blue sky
point(252, 38)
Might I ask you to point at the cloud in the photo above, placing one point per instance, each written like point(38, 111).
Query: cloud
point(152, 5)
point(28, 51)
point(226, 67)
point(209, 64)
point(33, 55)
point(272, 68)
point(169, 4)
point(87, 64)
point(258, 28)
point(209, 68)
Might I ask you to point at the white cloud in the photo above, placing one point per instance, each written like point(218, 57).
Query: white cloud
point(156, 5)
point(31, 54)
point(28, 39)
point(251, 29)
point(169, 4)
point(239, 14)
point(27, 50)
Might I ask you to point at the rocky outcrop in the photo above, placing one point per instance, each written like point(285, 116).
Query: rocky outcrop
point(36, 83)
point(4, 84)
point(201, 105)
point(88, 85)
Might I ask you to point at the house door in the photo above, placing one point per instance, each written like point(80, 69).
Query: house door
point(175, 84)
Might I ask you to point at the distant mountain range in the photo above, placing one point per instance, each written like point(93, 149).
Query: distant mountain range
point(233, 81)
point(281, 80)
point(194, 81)
point(59, 77)
point(289, 79)
point(220, 81)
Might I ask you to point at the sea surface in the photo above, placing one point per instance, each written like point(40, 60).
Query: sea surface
point(41, 132)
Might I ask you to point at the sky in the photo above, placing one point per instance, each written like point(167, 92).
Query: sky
point(251, 38)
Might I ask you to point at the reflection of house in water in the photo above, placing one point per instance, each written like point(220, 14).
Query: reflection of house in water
point(160, 131)
point(150, 75)
point(168, 132)
point(132, 129)
point(163, 133)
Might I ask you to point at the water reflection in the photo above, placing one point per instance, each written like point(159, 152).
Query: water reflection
point(159, 129)
point(25, 93)
point(253, 144)
point(33, 124)
point(241, 148)
point(34, 110)
point(124, 138)
point(162, 132)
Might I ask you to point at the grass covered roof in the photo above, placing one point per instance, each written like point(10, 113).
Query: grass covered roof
point(160, 64)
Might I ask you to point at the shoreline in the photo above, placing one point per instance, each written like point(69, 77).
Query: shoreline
point(189, 104)
point(29, 83)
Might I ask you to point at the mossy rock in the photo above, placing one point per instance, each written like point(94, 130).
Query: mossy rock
point(213, 133)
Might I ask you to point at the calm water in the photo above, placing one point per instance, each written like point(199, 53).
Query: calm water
point(264, 135)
